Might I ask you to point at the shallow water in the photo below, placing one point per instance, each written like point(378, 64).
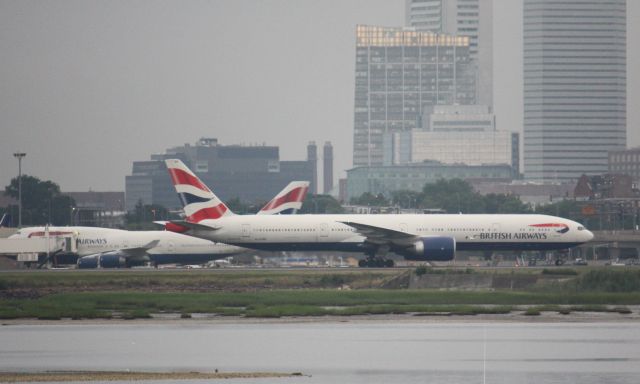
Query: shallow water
point(354, 352)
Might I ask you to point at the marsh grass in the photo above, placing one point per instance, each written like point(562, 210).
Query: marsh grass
point(309, 302)
point(560, 271)
point(227, 279)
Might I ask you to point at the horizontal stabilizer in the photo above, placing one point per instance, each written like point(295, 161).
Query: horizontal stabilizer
point(193, 226)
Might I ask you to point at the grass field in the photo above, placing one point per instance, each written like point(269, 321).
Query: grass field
point(312, 302)
point(135, 294)
point(227, 279)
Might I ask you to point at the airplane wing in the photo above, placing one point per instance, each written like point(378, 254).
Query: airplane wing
point(381, 236)
point(137, 252)
point(130, 254)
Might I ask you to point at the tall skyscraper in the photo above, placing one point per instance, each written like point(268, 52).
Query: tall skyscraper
point(472, 18)
point(327, 167)
point(574, 86)
point(400, 72)
point(312, 158)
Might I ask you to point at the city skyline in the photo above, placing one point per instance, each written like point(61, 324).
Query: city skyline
point(90, 87)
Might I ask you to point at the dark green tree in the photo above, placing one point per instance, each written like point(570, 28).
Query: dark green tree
point(42, 202)
point(406, 199)
point(569, 209)
point(453, 196)
point(143, 216)
point(501, 203)
point(371, 200)
point(321, 204)
point(238, 206)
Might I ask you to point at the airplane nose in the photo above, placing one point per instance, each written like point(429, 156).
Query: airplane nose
point(589, 235)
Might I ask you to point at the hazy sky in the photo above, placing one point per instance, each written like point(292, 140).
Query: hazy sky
point(87, 87)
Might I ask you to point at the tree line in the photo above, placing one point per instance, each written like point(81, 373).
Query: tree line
point(452, 196)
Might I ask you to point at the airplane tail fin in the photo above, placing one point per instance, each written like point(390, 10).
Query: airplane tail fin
point(5, 221)
point(288, 201)
point(198, 201)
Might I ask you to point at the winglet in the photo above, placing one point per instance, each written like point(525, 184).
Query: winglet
point(151, 244)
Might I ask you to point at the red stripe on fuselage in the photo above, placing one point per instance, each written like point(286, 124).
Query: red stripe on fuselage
point(178, 176)
point(294, 195)
point(208, 213)
point(547, 225)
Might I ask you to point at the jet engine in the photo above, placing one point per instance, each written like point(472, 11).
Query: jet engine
point(106, 260)
point(435, 248)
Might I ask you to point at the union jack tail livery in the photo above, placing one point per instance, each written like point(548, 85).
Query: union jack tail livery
point(288, 201)
point(5, 221)
point(197, 199)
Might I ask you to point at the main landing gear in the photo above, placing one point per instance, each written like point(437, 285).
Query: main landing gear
point(375, 262)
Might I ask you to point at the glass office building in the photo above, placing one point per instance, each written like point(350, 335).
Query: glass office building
point(400, 72)
point(574, 87)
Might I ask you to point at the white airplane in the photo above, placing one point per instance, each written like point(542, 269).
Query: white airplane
point(416, 237)
point(114, 248)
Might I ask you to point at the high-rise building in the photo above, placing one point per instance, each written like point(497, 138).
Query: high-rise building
point(327, 167)
point(472, 18)
point(312, 159)
point(574, 87)
point(399, 73)
point(625, 162)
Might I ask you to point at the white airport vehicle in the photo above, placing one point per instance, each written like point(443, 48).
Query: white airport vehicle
point(416, 237)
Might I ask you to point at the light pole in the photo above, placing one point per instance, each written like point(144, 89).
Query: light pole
point(19, 156)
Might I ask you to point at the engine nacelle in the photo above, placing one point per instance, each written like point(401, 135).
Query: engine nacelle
point(436, 248)
point(107, 260)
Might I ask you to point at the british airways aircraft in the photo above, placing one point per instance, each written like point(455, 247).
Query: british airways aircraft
point(115, 248)
point(416, 237)
point(118, 248)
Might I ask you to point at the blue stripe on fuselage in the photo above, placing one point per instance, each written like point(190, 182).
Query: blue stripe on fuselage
point(361, 247)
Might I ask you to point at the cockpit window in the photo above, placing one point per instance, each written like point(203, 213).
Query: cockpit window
point(580, 228)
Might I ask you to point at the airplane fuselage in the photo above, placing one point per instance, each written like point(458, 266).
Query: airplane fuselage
point(171, 248)
point(329, 233)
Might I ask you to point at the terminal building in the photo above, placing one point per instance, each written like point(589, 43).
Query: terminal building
point(253, 174)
